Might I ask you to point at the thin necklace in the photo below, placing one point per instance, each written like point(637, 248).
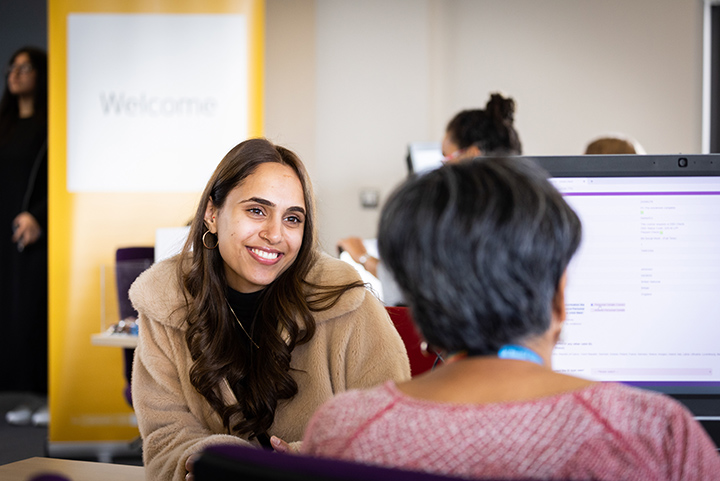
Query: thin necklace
point(240, 323)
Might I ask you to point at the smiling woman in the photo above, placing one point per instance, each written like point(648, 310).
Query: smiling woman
point(251, 328)
point(260, 228)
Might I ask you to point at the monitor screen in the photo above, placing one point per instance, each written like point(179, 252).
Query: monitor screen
point(424, 157)
point(642, 293)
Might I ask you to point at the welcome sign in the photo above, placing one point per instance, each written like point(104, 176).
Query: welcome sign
point(145, 99)
point(154, 101)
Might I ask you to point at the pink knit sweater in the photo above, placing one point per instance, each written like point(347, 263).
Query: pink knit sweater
point(603, 432)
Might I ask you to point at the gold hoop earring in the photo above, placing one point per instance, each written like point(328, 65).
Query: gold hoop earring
point(205, 243)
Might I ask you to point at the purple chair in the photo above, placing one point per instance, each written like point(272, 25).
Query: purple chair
point(129, 263)
point(48, 477)
point(229, 462)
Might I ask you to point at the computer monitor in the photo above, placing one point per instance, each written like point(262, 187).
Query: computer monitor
point(423, 157)
point(643, 291)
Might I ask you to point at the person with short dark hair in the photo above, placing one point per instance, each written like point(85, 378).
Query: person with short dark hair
point(247, 331)
point(480, 249)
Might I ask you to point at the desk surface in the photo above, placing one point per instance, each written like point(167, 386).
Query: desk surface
point(74, 470)
point(117, 340)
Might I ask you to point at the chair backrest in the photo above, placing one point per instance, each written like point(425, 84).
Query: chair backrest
point(231, 462)
point(419, 361)
point(130, 262)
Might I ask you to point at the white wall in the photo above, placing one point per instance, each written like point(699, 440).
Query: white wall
point(290, 76)
point(349, 84)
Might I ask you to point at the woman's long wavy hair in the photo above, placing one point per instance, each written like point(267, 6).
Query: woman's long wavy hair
point(258, 377)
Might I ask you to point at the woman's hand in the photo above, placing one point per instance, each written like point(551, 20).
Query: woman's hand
point(189, 466)
point(26, 230)
point(281, 446)
point(355, 247)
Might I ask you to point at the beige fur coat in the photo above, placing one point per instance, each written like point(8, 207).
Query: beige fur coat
point(355, 346)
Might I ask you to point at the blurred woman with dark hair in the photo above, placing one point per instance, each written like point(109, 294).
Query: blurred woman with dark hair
point(23, 220)
point(488, 132)
point(480, 250)
point(251, 328)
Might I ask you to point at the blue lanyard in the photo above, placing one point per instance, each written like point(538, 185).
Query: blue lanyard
point(521, 353)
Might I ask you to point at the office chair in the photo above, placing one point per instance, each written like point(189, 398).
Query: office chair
point(130, 262)
point(232, 462)
point(419, 361)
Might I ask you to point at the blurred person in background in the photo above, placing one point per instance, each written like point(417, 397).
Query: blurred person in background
point(23, 255)
point(613, 144)
point(486, 132)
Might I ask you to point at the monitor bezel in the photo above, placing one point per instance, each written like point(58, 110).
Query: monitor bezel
point(630, 165)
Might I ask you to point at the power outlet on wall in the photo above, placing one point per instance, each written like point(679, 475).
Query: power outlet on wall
point(369, 198)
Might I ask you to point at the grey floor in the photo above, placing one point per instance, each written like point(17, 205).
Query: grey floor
point(22, 442)
point(19, 442)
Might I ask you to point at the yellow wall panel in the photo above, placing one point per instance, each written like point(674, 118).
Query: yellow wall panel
point(85, 229)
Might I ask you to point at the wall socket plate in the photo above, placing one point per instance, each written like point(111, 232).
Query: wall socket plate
point(369, 198)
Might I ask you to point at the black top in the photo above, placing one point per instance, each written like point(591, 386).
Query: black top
point(23, 170)
point(23, 275)
point(245, 307)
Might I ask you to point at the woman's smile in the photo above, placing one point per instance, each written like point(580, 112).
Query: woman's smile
point(264, 256)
